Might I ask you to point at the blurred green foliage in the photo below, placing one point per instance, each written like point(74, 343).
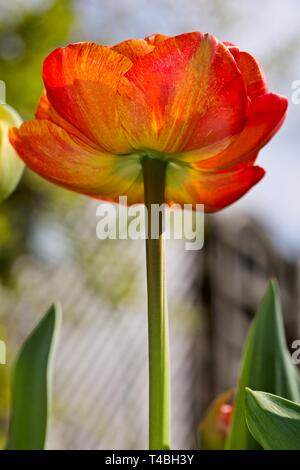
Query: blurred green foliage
point(23, 47)
point(25, 40)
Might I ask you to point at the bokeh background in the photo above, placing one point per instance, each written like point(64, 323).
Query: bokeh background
point(49, 250)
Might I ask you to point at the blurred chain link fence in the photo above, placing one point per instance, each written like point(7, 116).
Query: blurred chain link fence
point(239, 260)
point(100, 383)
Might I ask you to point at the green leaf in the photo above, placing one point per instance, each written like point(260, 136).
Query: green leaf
point(266, 365)
point(273, 421)
point(31, 386)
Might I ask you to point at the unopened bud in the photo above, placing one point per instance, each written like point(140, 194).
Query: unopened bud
point(11, 166)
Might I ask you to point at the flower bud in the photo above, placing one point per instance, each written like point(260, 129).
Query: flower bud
point(11, 166)
point(214, 428)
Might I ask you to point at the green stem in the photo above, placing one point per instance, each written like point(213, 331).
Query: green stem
point(154, 170)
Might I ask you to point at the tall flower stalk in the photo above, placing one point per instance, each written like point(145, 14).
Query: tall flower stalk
point(154, 173)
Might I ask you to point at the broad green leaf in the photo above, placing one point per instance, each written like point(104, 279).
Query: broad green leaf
point(266, 366)
point(31, 386)
point(273, 421)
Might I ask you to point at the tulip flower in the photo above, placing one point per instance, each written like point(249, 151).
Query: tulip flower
point(11, 166)
point(162, 119)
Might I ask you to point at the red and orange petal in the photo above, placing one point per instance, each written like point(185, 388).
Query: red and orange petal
point(214, 189)
point(187, 93)
point(252, 72)
point(66, 161)
point(133, 48)
point(156, 39)
point(266, 116)
point(81, 81)
point(46, 112)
